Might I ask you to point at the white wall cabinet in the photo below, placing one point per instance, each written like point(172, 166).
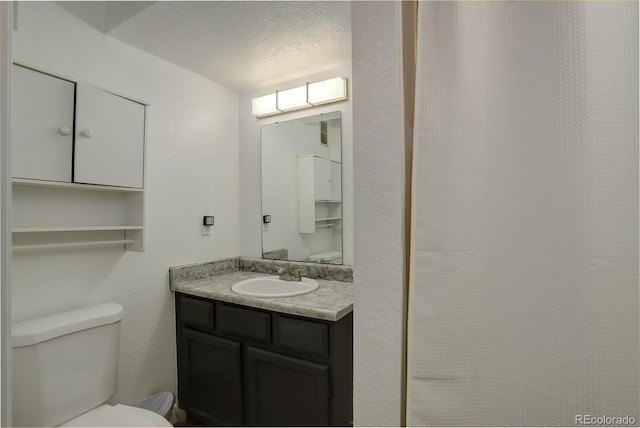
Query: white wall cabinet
point(109, 139)
point(319, 193)
point(106, 145)
point(42, 131)
point(78, 178)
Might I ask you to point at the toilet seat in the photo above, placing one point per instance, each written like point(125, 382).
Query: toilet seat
point(119, 415)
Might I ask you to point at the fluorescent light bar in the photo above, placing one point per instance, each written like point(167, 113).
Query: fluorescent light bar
point(265, 106)
point(328, 91)
point(292, 99)
point(311, 94)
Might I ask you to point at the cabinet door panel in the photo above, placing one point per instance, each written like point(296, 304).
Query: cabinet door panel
point(286, 391)
point(109, 145)
point(42, 106)
point(210, 378)
point(322, 178)
point(336, 181)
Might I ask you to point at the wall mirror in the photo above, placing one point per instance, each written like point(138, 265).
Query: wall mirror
point(302, 189)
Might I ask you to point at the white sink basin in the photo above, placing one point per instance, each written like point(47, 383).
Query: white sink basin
point(272, 286)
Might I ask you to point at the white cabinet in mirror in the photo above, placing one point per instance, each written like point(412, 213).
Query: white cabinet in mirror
point(302, 189)
point(319, 194)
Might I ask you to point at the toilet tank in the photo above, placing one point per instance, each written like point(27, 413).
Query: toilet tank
point(326, 257)
point(64, 364)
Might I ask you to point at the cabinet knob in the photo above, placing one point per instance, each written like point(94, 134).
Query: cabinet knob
point(64, 130)
point(86, 133)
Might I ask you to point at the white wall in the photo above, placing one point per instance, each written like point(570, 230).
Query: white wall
point(250, 162)
point(379, 189)
point(191, 170)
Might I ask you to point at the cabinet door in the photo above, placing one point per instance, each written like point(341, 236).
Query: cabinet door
point(322, 178)
point(210, 378)
point(336, 181)
point(286, 391)
point(306, 194)
point(42, 127)
point(109, 145)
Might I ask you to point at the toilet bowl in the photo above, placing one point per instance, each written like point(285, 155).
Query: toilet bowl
point(119, 415)
point(65, 368)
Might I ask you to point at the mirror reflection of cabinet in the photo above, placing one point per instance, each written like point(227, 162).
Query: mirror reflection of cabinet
point(319, 194)
point(302, 189)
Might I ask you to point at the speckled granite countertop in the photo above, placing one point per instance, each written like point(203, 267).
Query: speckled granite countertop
point(331, 301)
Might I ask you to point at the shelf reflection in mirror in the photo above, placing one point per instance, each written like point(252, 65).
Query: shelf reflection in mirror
point(302, 189)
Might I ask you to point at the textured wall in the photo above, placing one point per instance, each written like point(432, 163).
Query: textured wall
point(192, 170)
point(379, 177)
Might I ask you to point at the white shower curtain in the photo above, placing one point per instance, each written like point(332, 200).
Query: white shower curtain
point(523, 293)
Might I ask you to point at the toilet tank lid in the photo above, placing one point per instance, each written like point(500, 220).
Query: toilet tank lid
point(326, 256)
point(33, 331)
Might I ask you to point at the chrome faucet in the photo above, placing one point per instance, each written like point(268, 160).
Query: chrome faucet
point(286, 276)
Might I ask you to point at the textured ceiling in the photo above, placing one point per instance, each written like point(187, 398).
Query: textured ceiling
point(244, 45)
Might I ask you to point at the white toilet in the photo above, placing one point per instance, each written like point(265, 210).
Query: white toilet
point(65, 367)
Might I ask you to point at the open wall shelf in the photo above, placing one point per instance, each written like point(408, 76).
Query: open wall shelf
point(77, 186)
point(72, 245)
point(71, 228)
point(52, 215)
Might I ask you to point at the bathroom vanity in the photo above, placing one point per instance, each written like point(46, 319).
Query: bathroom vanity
point(264, 361)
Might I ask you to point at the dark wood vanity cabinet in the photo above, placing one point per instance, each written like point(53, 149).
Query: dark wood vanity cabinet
point(286, 391)
point(210, 378)
point(244, 366)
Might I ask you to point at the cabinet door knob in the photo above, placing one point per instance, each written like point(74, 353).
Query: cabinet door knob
point(86, 133)
point(64, 130)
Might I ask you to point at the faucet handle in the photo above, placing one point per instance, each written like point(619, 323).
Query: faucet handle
point(283, 274)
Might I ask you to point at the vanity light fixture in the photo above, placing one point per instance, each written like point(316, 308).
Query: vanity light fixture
point(309, 95)
point(265, 106)
point(292, 99)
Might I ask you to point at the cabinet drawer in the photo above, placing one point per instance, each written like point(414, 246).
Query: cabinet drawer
point(196, 313)
point(303, 335)
point(245, 322)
